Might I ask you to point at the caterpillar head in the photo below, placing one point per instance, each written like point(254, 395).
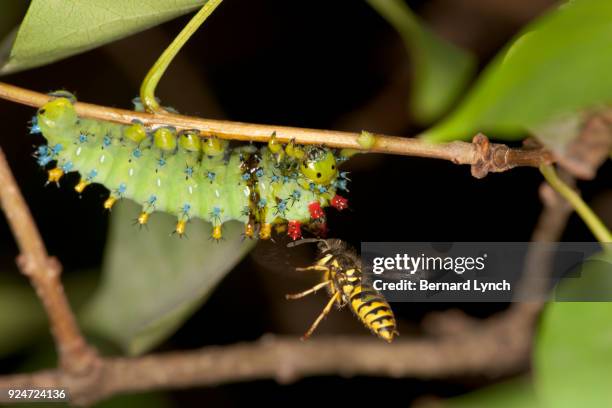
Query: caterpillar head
point(57, 114)
point(319, 165)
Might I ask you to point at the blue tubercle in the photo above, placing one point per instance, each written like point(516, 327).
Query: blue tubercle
point(44, 160)
point(34, 129)
point(281, 207)
point(43, 150)
point(215, 215)
point(137, 153)
point(185, 209)
point(67, 167)
point(341, 185)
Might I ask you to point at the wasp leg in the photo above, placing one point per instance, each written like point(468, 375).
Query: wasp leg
point(309, 291)
point(324, 313)
point(320, 268)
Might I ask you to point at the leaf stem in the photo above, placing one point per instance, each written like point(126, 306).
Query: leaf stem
point(149, 84)
point(597, 227)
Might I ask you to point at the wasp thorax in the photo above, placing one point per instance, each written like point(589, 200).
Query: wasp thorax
point(319, 165)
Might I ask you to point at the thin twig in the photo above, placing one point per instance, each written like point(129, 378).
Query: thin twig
point(44, 273)
point(484, 157)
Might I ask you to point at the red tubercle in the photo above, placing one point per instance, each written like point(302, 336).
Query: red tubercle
point(294, 230)
point(315, 209)
point(338, 202)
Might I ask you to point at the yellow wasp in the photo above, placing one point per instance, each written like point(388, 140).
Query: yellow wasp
point(342, 278)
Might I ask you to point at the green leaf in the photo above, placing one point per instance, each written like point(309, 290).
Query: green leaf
point(558, 65)
point(153, 281)
point(56, 29)
point(11, 13)
point(510, 394)
point(440, 69)
point(22, 318)
point(573, 352)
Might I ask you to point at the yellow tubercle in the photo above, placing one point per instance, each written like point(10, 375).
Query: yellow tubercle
point(249, 230)
point(143, 218)
point(110, 201)
point(216, 232)
point(214, 146)
point(266, 231)
point(55, 174)
point(294, 151)
point(81, 186)
point(136, 133)
point(180, 227)
point(274, 145)
point(348, 153)
point(280, 228)
point(190, 141)
point(165, 139)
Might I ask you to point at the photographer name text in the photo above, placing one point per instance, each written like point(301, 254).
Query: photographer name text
point(471, 285)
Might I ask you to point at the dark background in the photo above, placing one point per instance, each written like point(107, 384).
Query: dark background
point(319, 64)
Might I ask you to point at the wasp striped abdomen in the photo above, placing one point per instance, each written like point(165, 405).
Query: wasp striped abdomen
point(342, 278)
point(374, 312)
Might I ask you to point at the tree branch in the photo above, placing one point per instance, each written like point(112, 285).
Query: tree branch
point(489, 350)
point(44, 273)
point(483, 156)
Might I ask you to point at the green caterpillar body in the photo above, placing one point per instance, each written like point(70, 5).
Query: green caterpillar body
point(188, 176)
